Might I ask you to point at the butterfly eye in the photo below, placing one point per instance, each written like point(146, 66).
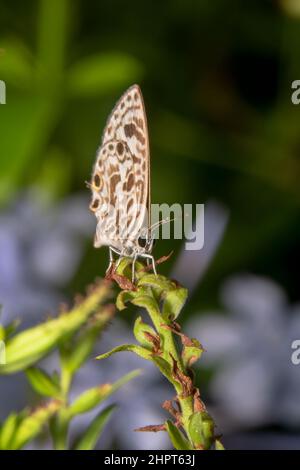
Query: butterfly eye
point(142, 242)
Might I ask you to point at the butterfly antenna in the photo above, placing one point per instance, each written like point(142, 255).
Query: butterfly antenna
point(165, 221)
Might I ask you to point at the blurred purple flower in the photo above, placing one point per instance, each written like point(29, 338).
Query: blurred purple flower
point(255, 382)
point(40, 249)
point(198, 261)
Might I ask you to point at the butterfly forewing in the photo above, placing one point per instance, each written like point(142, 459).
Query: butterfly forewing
point(120, 180)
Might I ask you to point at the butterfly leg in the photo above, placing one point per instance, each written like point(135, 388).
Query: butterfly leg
point(133, 269)
point(153, 265)
point(111, 260)
point(148, 258)
point(121, 255)
point(119, 261)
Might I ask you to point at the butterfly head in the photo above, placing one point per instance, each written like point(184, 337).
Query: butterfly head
point(145, 243)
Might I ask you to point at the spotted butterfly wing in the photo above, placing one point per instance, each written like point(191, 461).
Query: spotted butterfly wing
point(120, 181)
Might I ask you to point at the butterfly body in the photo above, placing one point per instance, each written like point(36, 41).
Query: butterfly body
point(120, 181)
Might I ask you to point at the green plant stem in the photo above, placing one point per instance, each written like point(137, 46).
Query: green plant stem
point(61, 424)
point(186, 404)
point(170, 350)
point(61, 432)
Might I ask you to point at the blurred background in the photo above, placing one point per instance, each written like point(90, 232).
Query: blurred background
point(216, 78)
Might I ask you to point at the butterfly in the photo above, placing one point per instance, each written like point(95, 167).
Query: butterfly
point(120, 183)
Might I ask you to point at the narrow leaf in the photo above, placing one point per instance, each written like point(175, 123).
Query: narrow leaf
point(219, 445)
point(178, 440)
point(42, 383)
point(96, 395)
point(201, 429)
point(92, 434)
point(72, 360)
point(139, 330)
point(142, 352)
point(124, 297)
point(88, 400)
point(7, 431)
point(164, 367)
point(32, 424)
point(27, 347)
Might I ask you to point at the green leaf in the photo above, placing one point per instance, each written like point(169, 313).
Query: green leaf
point(29, 346)
point(32, 424)
point(88, 400)
point(124, 297)
point(72, 360)
point(7, 430)
point(174, 297)
point(201, 429)
point(42, 383)
point(94, 396)
point(164, 368)
point(173, 303)
point(191, 354)
point(92, 434)
point(11, 328)
point(102, 73)
point(158, 282)
point(148, 302)
point(142, 352)
point(178, 440)
point(139, 330)
point(219, 445)
point(126, 378)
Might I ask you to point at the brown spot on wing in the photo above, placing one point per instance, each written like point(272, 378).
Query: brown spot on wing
point(136, 159)
point(129, 204)
point(139, 122)
point(131, 130)
point(114, 180)
point(140, 190)
point(94, 205)
point(97, 182)
point(120, 148)
point(130, 182)
point(113, 169)
point(117, 222)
